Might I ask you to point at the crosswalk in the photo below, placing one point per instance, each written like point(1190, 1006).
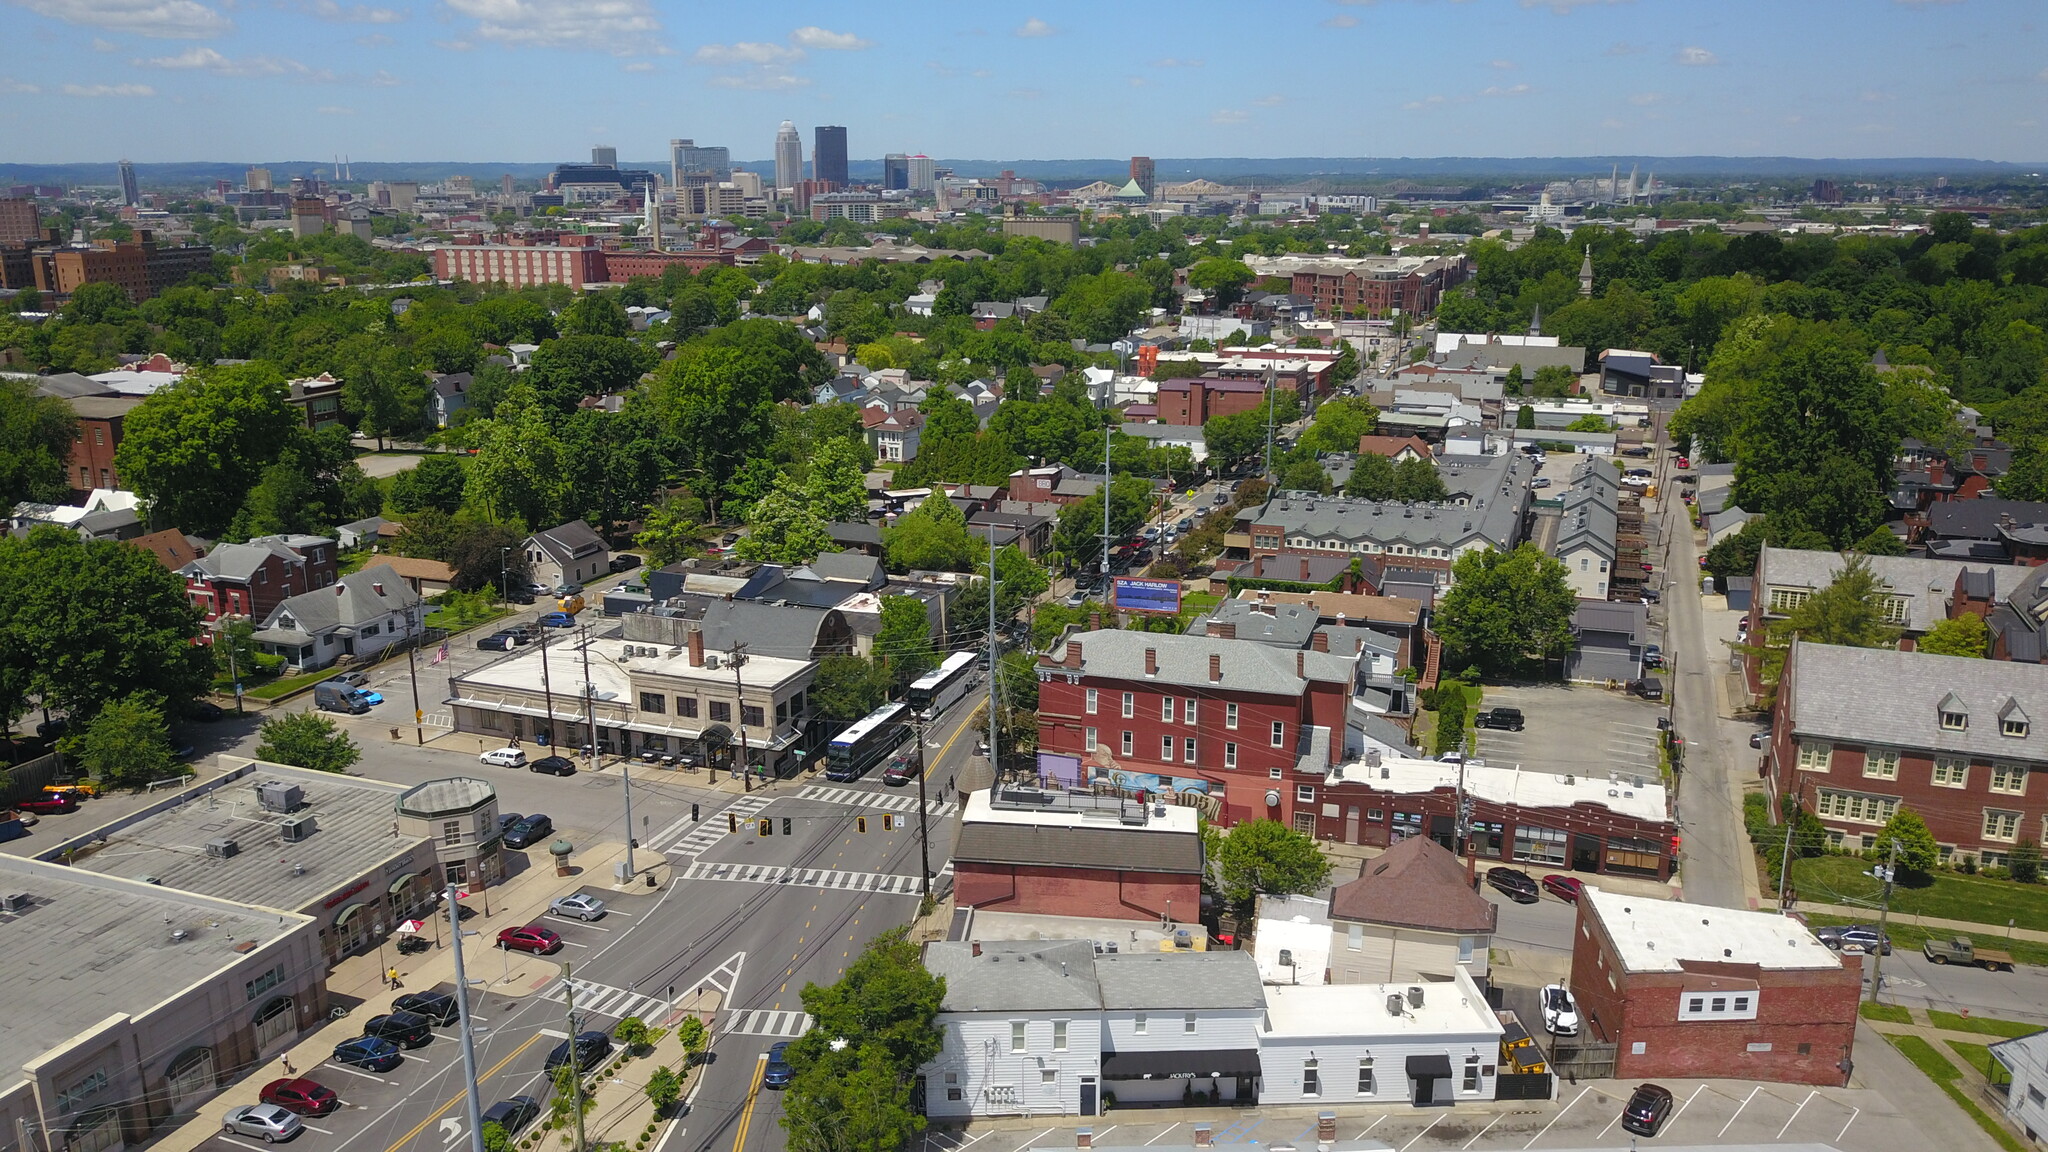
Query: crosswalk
point(697, 838)
point(619, 1003)
point(828, 879)
point(762, 1022)
point(878, 801)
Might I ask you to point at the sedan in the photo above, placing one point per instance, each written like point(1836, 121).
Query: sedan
point(1653, 656)
point(1540, 482)
point(371, 1052)
point(1637, 450)
point(50, 803)
point(503, 758)
point(529, 830)
point(300, 1095)
point(579, 906)
point(1514, 884)
point(1565, 888)
point(778, 1072)
point(266, 1121)
point(371, 698)
point(554, 766)
point(435, 1007)
point(1863, 937)
point(624, 561)
point(1560, 1011)
point(353, 679)
point(497, 642)
point(589, 1049)
point(900, 771)
point(532, 938)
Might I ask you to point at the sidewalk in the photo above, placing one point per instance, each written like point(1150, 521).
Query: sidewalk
point(358, 982)
point(1874, 1055)
point(1991, 933)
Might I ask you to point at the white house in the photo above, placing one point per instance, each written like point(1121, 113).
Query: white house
point(1021, 1027)
point(566, 554)
point(357, 615)
point(1175, 1022)
point(1420, 1043)
point(894, 433)
point(2026, 1101)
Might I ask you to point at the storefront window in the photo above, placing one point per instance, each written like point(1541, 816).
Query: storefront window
point(1487, 839)
point(1539, 845)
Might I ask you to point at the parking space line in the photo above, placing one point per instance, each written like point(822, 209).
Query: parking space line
point(243, 1143)
point(1738, 1109)
point(1853, 1114)
point(1610, 1127)
point(1169, 1128)
point(573, 944)
point(1108, 1130)
point(1796, 1112)
point(310, 1128)
point(1419, 1135)
point(1360, 1136)
point(983, 1136)
point(1484, 1131)
point(554, 1033)
point(1554, 1119)
point(1037, 1138)
point(353, 1072)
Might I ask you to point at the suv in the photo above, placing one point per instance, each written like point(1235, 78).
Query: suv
point(590, 1048)
point(528, 830)
point(1647, 1109)
point(513, 1114)
point(401, 1028)
point(1649, 688)
point(1508, 718)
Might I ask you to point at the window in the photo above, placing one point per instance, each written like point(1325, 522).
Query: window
point(370, 630)
point(721, 711)
point(1166, 709)
point(70, 1098)
point(1229, 754)
point(1304, 794)
point(265, 982)
point(2036, 1097)
point(2009, 778)
point(1471, 1083)
point(1274, 772)
point(1138, 1024)
point(1279, 734)
point(1125, 745)
point(1365, 1085)
point(1130, 705)
point(451, 831)
point(2000, 824)
point(1354, 938)
point(1465, 947)
point(1951, 772)
point(1059, 1035)
point(1048, 1078)
point(752, 716)
point(1091, 702)
point(1166, 749)
point(1311, 1078)
point(1954, 721)
point(686, 707)
point(1187, 710)
point(1187, 749)
point(1537, 845)
point(1305, 822)
point(1895, 609)
point(781, 712)
point(1814, 756)
point(1230, 715)
point(2012, 726)
point(1088, 739)
point(1859, 807)
point(1881, 763)
point(1017, 1036)
point(1717, 1005)
point(1187, 1025)
point(1786, 600)
point(653, 702)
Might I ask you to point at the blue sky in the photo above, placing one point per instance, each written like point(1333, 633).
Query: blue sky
point(542, 80)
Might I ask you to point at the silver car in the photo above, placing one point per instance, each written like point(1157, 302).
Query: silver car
point(267, 1122)
point(577, 907)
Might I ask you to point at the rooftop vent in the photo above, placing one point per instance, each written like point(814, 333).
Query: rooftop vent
point(179, 936)
point(1393, 1003)
point(222, 848)
point(1415, 995)
point(15, 901)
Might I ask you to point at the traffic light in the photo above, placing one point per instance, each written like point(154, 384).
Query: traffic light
point(861, 823)
point(732, 822)
point(693, 814)
point(767, 826)
point(888, 821)
point(785, 825)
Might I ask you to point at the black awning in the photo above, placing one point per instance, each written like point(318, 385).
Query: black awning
point(1436, 1066)
point(1181, 1063)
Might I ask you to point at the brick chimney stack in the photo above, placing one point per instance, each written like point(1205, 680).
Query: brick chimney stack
point(1151, 661)
point(1215, 667)
point(696, 647)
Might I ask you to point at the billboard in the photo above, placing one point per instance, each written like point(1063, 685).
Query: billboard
point(1139, 594)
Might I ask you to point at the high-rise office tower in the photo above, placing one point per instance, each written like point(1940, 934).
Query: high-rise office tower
point(924, 175)
point(1141, 171)
point(258, 180)
point(828, 158)
point(789, 155)
point(606, 155)
point(505, 184)
point(131, 193)
point(895, 172)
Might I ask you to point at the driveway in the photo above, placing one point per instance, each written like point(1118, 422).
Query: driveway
point(1572, 730)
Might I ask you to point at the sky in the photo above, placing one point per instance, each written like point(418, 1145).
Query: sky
point(543, 80)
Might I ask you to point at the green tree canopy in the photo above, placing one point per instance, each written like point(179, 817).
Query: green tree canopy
point(1918, 853)
point(518, 472)
point(903, 643)
point(36, 434)
point(307, 740)
point(783, 528)
point(1078, 535)
point(1339, 424)
point(1507, 613)
point(931, 537)
point(436, 482)
point(1960, 635)
point(196, 448)
point(1849, 612)
point(125, 745)
point(1263, 857)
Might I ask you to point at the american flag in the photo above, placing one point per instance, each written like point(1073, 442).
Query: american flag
point(442, 654)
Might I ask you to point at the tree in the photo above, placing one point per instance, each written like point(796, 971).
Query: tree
point(1339, 424)
point(1525, 417)
point(634, 1033)
point(903, 643)
point(853, 1071)
point(518, 471)
point(1238, 436)
point(693, 1036)
point(1736, 555)
point(1263, 857)
point(567, 369)
point(386, 391)
point(783, 528)
point(1590, 422)
point(495, 1138)
point(2025, 861)
point(1553, 381)
point(847, 688)
point(1849, 612)
point(1372, 478)
point(1507, 613)
point(483, 554)
point(1019, 582)
point(596, 314)
point(196, 448)
point(1818, 443)
point(36, 435)
point(125, 745)
point(664, 1087)
point(849, 1101)
point(313, 485)
point(1918, 853)
point(306, 740)
point(715, 405)
point(1960, 635)
point(931, 537)
point(836, 485)
point(435, 482)
point(672, 530)
point(1416, 481)
point(1220, 277)
point(1078, 535)
point(1104, 307)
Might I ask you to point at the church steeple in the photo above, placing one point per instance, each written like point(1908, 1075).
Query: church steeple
point(1586, 273)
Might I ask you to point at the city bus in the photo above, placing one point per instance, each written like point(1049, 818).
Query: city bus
point(942, 687)
point(866, 743)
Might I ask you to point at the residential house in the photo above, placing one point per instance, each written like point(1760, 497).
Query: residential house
point(1427, 1044)
point(1412, 913)
point(357, 616)
point(1988, 531)
point(1588, 530)
point(100, 419)
point(250, 580)
point(893, 432)
point(2018, 627)
point(570, 553)
point(1188, 436)
point(1021, 1030)
point(449, 395)
point(172, 548)
point(1395, 448)
point(1608, 640)
point(1072, 854)
point(2025, 1060)
point(318, 399)
point(1689, 990)
point(427, 577)
point(1641, 374)
point(365, 533)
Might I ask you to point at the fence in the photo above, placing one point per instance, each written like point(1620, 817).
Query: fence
point(1575, 1060)
point(27, 778)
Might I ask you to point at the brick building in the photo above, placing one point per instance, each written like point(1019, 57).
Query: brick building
point(19, 221)
point(1066, 854)
point(1378, 286)
point(1238, 720)
point(1687, 991)
point(1856, 733)
point(574, 261)
point(139, 266)
point(91, 464)
point(250, 579)
point(1194, 402)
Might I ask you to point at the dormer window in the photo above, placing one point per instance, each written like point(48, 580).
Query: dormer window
point(1954, 716)
point(2011, 721)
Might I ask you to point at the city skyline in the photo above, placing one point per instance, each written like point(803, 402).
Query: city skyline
point(403, 81)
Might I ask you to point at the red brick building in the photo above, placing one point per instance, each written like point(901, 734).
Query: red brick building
point(1381, 285)
point(1248, 723)
point(251, 579)
point(1194, 402)
point(1857, 733)
point(1066, 854)
point(139, 266)
point(573, 261)
point(91, 464)
point(1694, 992)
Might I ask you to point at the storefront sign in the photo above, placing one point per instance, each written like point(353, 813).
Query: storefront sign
point(345, 893)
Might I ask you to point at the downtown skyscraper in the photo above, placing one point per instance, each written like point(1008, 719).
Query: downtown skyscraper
point(828, 158)
point(789, 155)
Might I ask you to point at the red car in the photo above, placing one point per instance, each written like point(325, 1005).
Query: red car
point(303, 1096)
point(1565, 888)
point(1684, 463)
point(49, 803)
point(532, 938)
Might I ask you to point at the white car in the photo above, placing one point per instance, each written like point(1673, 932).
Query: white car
point(268, 1122)
point(1560, 1011)
point(1635, 482)
point(504, 758)
point(577, 907)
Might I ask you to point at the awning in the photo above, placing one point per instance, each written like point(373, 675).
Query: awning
point(1181, 1064)
point(349, 913)
point(401, 882)
point(1435, 1066)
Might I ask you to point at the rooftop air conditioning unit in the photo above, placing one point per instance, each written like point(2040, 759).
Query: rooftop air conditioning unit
point(15, 901)
point(222, 848)
point(711, 662)
point(297, 829)
point(279, 796)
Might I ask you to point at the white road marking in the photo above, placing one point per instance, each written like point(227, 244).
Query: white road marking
point(310, 1128)
point(1425, 1131)
point(1162, 1135)
point(355, 1072)
point(1482, 1132)
point(1853, 1114)
point(1796, 1112)
point(1554, 1119)
point(1361, 1135)
point(1738, 1109)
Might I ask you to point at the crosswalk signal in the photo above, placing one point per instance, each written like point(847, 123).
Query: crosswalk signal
point(732, 821)
point(767, 826)
point(693, 814)
point(888, 821)
point(861, 822)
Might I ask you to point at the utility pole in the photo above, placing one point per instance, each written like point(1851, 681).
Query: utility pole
point(419, 718)
point(1271, 393)
point(1106, 478)
point(924, 836)
point(992, 665)
point(1884, 911)
point(739, 688)
point(590, 709)
point(1785, 860)
point(476, 1108)
point(547, 689)
point(575, 1062)
point(235, 674)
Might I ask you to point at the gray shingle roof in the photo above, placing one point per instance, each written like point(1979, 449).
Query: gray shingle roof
point(1184, 981)
point(1285, 625)
point(1881, 696)
point(568, 541)
point(1185, 660)
point(1015, 975)
point(1494, 489)
point(1926, 582)
point(352, 600)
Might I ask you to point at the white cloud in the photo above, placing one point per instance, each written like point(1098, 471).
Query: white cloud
point(748, 52)
point(335, 110)
point(640, 66)
point(621, 27)
point(1341, 20)
point(354, 13)
point(164, 19)
point(1229, 116)
point(109, 90)
point(1034, 28)
point(1503, 65)
point(10, 85)
point(1874, 96)
point(941, 69)
point(1645, 99)
point(1564, 7)
point(766, 79)
point(207, 60)
point(383, 79)
point(825, 40)
point(1512, 90)
point(1270, 101)
point(100, 45)
point(1696, 57)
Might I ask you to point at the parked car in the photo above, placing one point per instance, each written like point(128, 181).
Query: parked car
point(401, 1028)
point(300, 1095)
point(369, 1052)
point(1639, 473)
point(1560, 1011)
point(557, 620)
point(1636, 482)
point(623, 561)
point(528, 830)
point(589, 1049)
point(1649, 688)
point(569, 589)
point(1540, 482)
point(1760, 738)
point(433, 1007)
point(268, 1122)
point(1565, 888)
point(333, 696)
point(532, 938)
point(1077, 597)
point(352, 679)
point(1684, 462)
point(1647, 1109)
point(1653, 656)
point(1651, 595)
point(778, 1072)
point(554, 766)
point(496, 642)
point(513, 1114)
point(503, 758)
point(49, 803)
point(537, 588)
point(1636, 450)
point(579, 906)
point(1514, 884)
point(1501, 717)
point(1859, 937)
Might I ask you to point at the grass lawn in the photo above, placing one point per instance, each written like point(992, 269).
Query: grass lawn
point(1909, 937)
point(1952, 896)
point(1891, 1013)
point(1425, 723)
point(1945, 1076)
point(1984, 1025)
point(287, 684)
point(1977, 1056)
point(441, 618)
point(1193, 604)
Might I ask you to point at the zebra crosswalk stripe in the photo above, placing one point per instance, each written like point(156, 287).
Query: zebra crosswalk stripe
point(825, 878)
point(880, 801)
point(763, 1022)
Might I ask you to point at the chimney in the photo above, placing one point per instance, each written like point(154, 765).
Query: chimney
point(977, 947)
point(1304, 568)
point(1223, 629)
point(1326, 1127)
point(1151, 661)
point(1215, 667)
point(1095, 621)
point(1073, 654)
point(696, 647)
point(1319, 641)
point(1340, 619)
point(1301, 664)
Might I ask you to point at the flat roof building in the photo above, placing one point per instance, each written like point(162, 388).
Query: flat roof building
point(1032, 851)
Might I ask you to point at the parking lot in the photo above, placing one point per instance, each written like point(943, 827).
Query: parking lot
point(1573, 729)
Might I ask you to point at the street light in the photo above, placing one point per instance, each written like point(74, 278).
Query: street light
point(504, 565)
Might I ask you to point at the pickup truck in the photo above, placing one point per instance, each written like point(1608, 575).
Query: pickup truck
point(1961, 950)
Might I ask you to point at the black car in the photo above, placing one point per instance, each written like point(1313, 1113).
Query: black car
point(554, 766)
point(518, 596)
point(1647, 1109)
point(434, 1007)
point(528, 830)
point(623, 561)
point(1507, 718)
point(496, 642)
point(404, 1029)
point(513, 1114)
point(590, 1048)
point(1649, 688)
point(1514, 884)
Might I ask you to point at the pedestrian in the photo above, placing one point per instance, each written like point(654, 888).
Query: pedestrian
point(288, 1069)
point(393, 977)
